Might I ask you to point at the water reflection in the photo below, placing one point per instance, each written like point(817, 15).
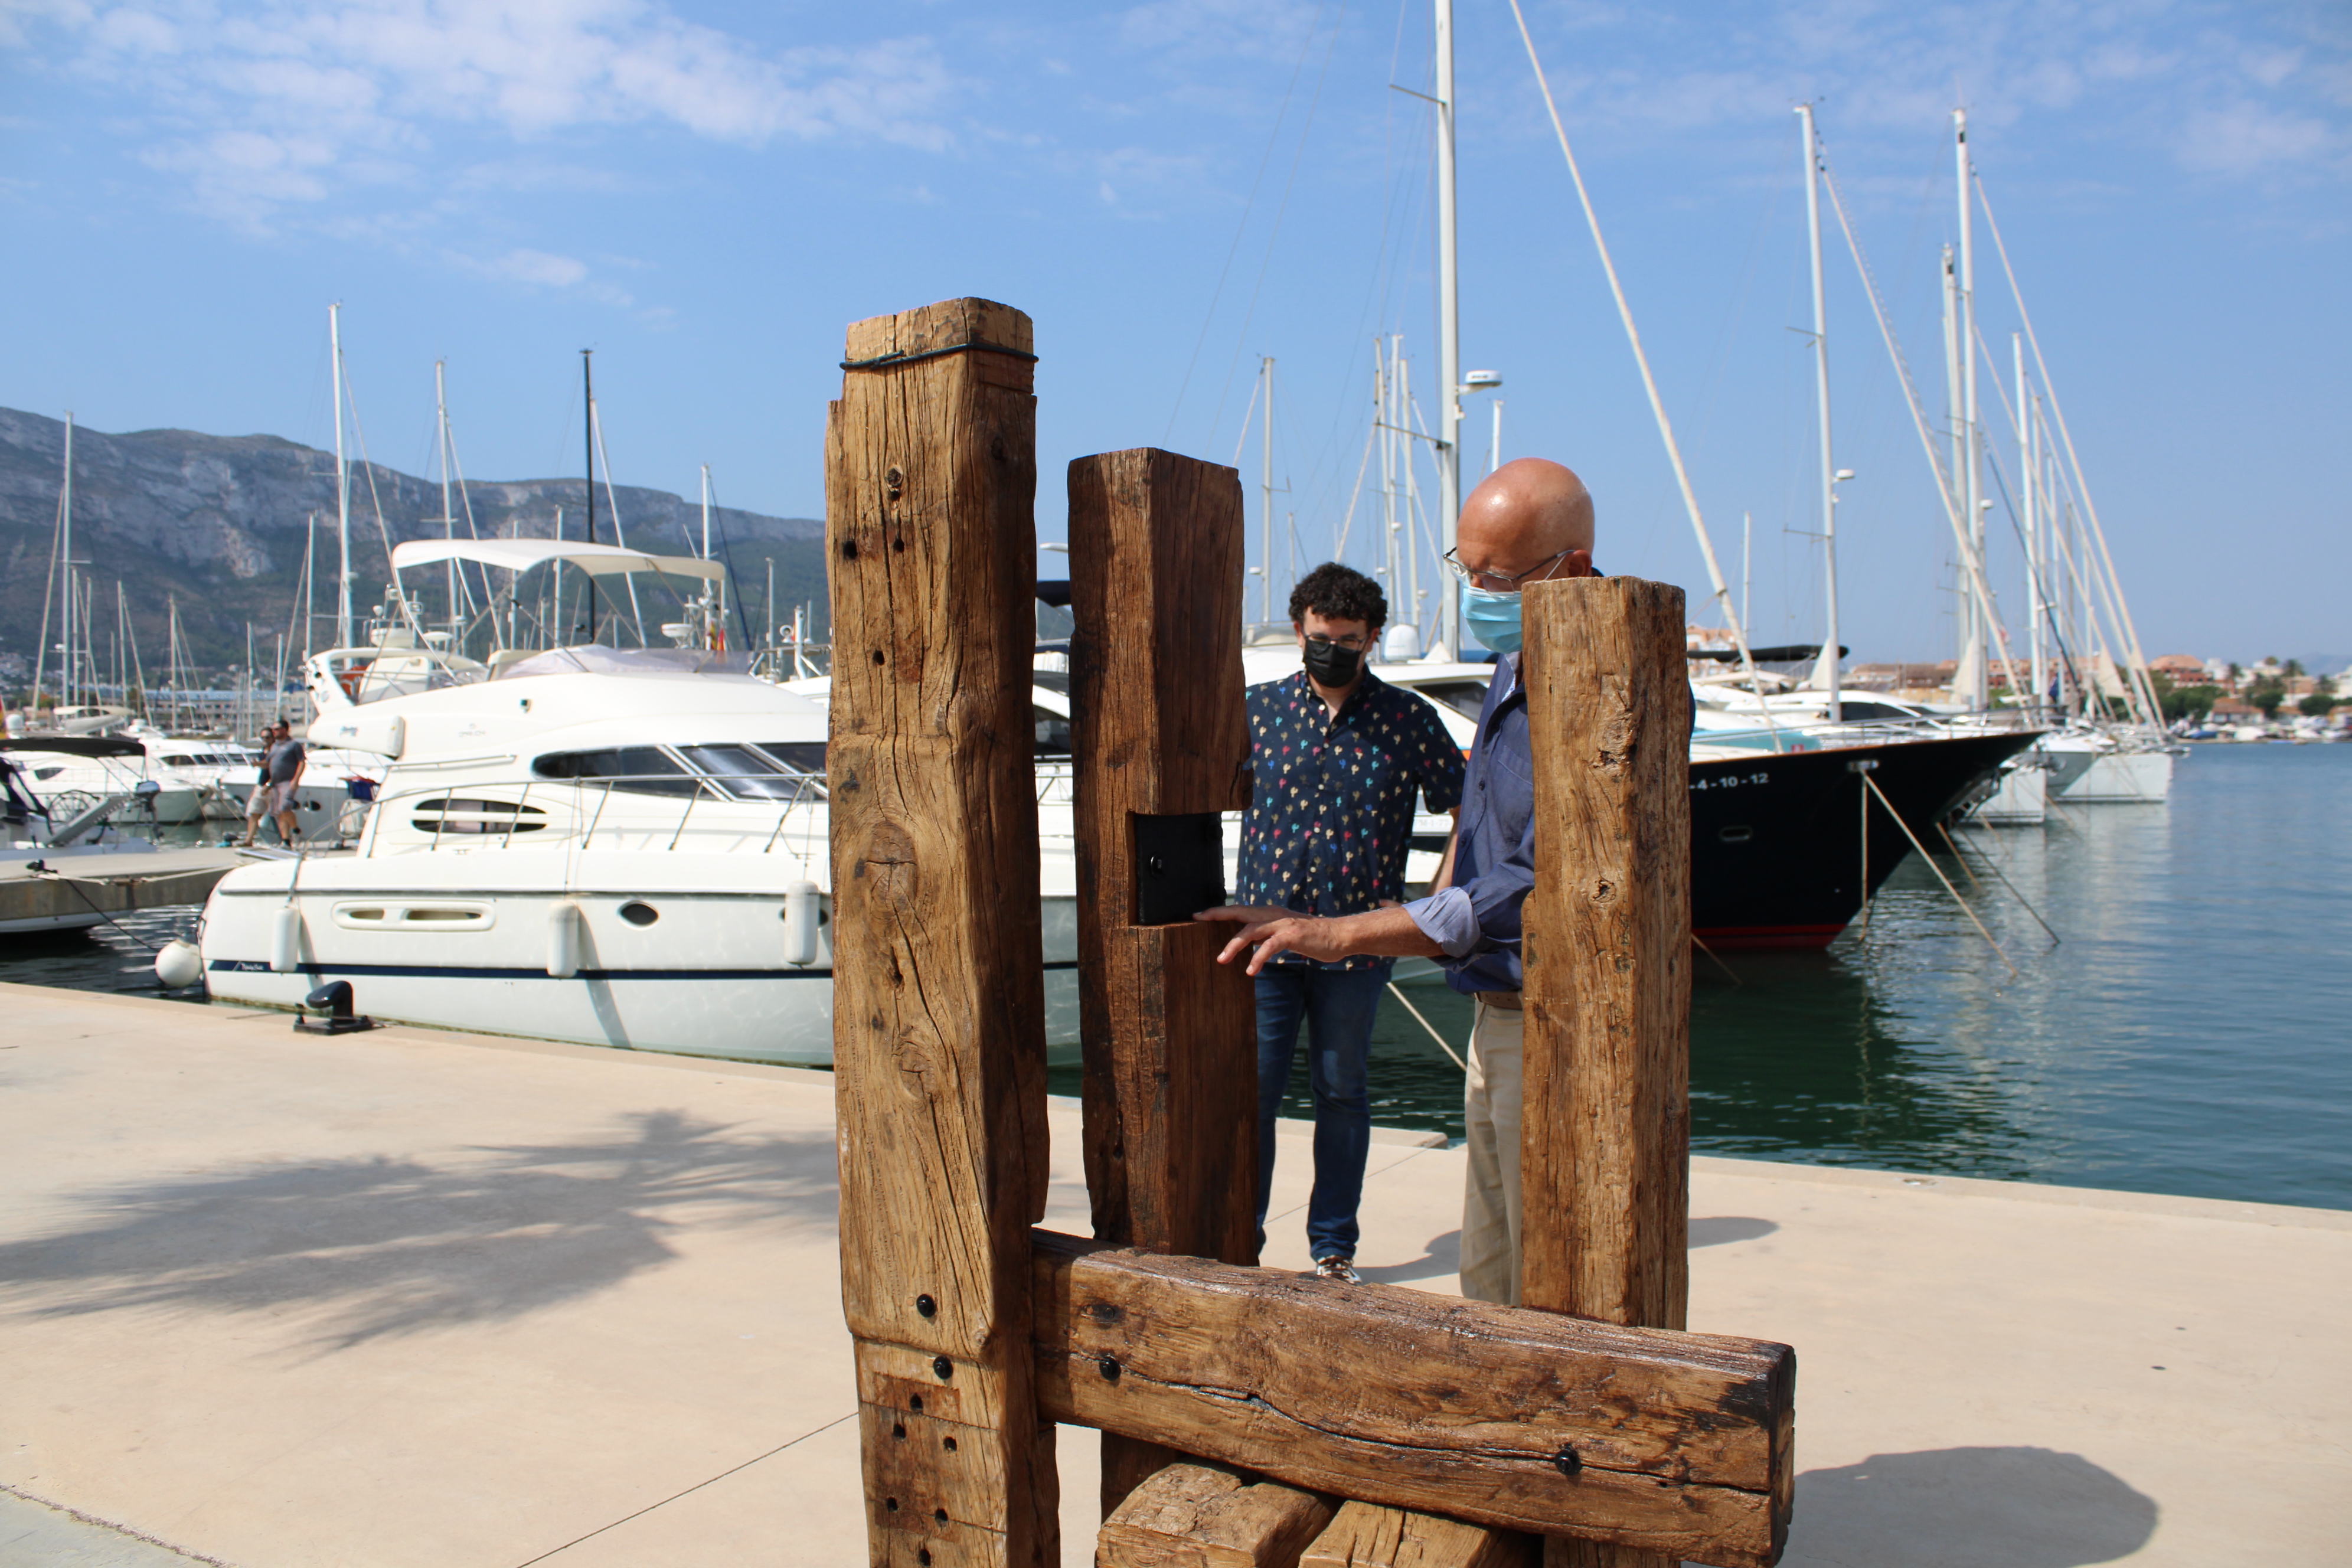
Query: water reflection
point(2186, 1034)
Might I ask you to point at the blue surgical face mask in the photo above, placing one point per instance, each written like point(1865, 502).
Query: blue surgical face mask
point(1493, 618)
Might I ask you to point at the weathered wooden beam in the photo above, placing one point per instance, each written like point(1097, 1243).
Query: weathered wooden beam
point(1605, 1139)
point(1196, 1516)
point(1508, 1418)
point(1160, 746)
point(1365, 1535)
point(938, 1008)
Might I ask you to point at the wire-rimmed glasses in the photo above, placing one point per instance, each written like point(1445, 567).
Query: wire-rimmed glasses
point(1512, 581)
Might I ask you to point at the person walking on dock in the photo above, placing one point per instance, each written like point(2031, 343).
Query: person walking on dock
point(1338, 756)
point(256, 804)
point(286, 761)
point(1530, 521)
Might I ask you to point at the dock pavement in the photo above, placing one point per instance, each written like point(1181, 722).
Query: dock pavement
point(420, 1299)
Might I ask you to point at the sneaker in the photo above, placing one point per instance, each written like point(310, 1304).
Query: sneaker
point(1335, 1266)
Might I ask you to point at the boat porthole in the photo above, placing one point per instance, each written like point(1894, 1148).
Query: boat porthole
point(1735, 835)
point(638, 913)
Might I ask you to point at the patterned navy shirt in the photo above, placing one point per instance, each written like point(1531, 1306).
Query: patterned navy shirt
point(1331, 810)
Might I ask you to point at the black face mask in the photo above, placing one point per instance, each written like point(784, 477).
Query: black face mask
point(1332, 665)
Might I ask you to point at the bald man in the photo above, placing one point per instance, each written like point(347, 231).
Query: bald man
point(1532, 522)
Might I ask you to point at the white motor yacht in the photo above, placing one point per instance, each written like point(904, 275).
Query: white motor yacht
point(620, 848)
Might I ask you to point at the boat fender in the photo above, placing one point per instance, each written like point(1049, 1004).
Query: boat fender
point(563, 941)
point(286, 942)
point(179, 966)
point(799, 923)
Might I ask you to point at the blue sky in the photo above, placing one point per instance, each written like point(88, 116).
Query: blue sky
point(706, 193)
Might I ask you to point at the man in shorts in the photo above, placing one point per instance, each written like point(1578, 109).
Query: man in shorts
point(286, 764)
point(256, 803)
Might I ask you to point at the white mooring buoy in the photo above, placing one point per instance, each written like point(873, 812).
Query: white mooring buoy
point(179, 966)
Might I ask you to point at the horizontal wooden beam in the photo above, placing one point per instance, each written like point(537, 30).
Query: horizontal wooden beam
point(1668, 1442)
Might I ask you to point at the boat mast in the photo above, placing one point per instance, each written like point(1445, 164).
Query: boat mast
point(1747, 563)
point(707, 597)
point(66, 560)
point(1952, 280)
point(588, 456)
point(1825, 672)
point(1973, 660)
point(1265, 493)
point(342, 485)
point(2029, 468)
point(1449, 334)
point(309, 555)
point(1384, 416)
point(449, 520)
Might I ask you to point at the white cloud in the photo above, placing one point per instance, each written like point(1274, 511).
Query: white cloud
point(265, 106)
point(2253, 95)
point(543, 269)
point(2246, 137)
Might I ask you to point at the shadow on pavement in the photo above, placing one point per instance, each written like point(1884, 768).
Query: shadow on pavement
point(1969, 1508)
point(388, 1246)
point(1440, 1255)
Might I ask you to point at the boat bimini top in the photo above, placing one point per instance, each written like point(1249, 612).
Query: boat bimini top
point(522, 554)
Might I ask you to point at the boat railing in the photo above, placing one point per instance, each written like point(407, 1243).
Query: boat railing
point(484, 812)
point(498, 810)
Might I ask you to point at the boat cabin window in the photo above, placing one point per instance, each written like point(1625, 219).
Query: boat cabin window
point(633, 770)
point(1865, 713)
point(454, 813)
point(801, 756)
point(744, 773)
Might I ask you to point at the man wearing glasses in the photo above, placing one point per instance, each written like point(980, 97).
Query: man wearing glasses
point(1338, 756)
point(1530, 521)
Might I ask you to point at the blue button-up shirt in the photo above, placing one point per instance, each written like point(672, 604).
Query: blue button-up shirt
point(1331, 803)
point(1477, 920)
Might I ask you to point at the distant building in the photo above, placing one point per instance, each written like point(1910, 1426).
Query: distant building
point(2182, 669)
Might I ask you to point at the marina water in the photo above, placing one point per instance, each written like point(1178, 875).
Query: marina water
point(2190, 1032)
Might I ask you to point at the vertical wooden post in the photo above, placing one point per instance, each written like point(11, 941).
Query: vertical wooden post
point(1605, 1135)
point(1162, 745)
point(939, 1006)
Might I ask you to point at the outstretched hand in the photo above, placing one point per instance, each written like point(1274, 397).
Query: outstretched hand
point(1275, 931)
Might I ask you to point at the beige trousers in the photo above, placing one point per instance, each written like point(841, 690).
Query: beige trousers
point(1490, 1198)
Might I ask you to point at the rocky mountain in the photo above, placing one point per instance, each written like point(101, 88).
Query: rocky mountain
point(220, 524)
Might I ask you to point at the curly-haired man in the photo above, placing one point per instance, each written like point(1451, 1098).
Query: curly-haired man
point(1339, 756)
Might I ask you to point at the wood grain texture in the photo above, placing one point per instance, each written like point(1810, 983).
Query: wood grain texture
point(1159, 729)
point(1605, 1139)
point(1506, 1416)
point(1366, 1535)
point(938, 1031)
point(1194, 1516)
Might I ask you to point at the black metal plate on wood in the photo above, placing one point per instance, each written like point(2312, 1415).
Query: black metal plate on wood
point(1180, 866)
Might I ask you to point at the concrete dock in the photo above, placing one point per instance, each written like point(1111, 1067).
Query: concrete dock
point(409, 1297)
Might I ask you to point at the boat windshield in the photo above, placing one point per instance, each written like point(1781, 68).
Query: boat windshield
point(633, 770)
point(744, 773)
point(805, 757)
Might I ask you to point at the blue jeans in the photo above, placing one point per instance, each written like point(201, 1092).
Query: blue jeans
point(1337, 1008)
